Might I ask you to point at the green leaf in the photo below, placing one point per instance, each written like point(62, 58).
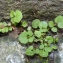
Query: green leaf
point(44, 23)
point(6, 29)
point(41, 46)
point(60, 24)
point(37, 33)
point(54, 46)
point(29, 28)
point(18, 15)
point(23, 34)
point(15, 16)
point(3, 30)
point(30, 33)
point(49, 39)
point(40, 25)
point(30, 48)
point(24, 24)
point(37, 51)
point(1, 23)
point(45, 44)
point(10, 28)
point(12, 14)
point(48, 49)
point(29, 51)
point(31, 39)
point(43, 53)
point(51, 24)
point(23, 40)
point(54, 29)
point(35, 23)
point(4, 23)
point(43, 30)
point(23, 37)
point(58, 19)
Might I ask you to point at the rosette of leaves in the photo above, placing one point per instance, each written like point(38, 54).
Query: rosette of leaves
point(26, 36)
point(15, 16)
point(59, 21)
point(52, 26)
point(4, 27)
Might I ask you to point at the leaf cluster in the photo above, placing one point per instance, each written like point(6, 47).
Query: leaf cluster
point(38, 34)
point(4, 27)
point(16, 17)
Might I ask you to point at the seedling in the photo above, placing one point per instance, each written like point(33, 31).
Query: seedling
point(15, 17)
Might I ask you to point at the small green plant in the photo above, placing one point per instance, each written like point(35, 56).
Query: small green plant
point(15, 16)
point(26, 36)
point(24, 24)
point(38, 33)
point(36, 36)
point(59, 21)
point(5, 27)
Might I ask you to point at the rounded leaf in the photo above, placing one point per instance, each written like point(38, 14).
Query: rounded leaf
point(58, 19)
point(23, 40)
point(48, 49)
point(35, 23)
point(40, 25)
point(37, 33)
point(43, 53)
point(54, 29)
point(30, 48)
point(29, 33)
point(18, 15)
point(60, 24)
point(54, 46)
point(10, 28)
point(29, 28)
point(49, 39)
point(24, 24)
point(44, 23)
point(30, 51)
point(23, 34)
point(31, 39)
point(44, 30)
point(4, 23)
point(37, 51)
point(41, 46)
point(51, 24)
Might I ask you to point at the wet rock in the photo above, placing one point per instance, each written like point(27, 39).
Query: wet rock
point(58, 56)
point(11, 51)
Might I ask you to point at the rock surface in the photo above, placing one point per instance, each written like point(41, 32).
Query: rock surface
point(11, 51)
point(32, 8)
point(58, 56)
